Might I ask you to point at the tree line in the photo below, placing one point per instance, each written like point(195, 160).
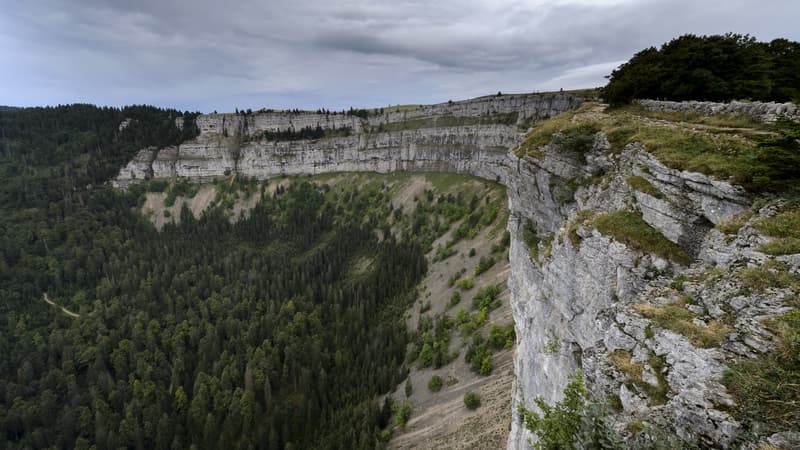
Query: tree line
point(711, 68)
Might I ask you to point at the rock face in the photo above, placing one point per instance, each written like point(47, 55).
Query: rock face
point(471, 136)
point(764, 111)
point(581, 304)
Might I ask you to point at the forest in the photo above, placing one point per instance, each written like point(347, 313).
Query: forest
point(711, 68)
point(254, 334)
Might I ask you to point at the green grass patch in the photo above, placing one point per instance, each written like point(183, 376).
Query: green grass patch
point(642, 185)
point(716, 120)
point(583, 218)
point(735, 223)
point(760, 157)
point(677, 318)
point(771, 274)
point(767, 389)
point(657, 394)
point(784, 228)
point(629, 228)
point(542, 133)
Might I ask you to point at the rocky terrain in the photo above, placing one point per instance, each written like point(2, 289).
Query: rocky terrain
point(635, 275)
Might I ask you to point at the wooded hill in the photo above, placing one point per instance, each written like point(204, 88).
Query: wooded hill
point(710, 68)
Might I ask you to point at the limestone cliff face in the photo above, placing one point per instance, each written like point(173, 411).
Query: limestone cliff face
point(575, 308)
point(469, 136)
point(580, 303)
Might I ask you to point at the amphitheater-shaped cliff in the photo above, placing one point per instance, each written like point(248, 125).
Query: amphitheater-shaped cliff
point(584, 295)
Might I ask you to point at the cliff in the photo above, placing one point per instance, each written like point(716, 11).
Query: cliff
point(470, 136)
point(631, 278)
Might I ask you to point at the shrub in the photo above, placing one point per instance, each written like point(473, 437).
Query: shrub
point(403, 414)
point(435, 383)
point(472, 400)
point(455, 298)
point(486, 298)
point(479, 356)
point(502, 337)
point(558, 425)
point(484, 264)
point(466, 283)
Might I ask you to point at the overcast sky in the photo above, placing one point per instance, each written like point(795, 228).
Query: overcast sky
point(219, 55)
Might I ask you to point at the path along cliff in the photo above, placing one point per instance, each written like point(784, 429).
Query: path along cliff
point(622, 267)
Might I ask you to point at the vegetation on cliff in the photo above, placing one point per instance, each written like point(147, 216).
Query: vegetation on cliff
point(761, 157)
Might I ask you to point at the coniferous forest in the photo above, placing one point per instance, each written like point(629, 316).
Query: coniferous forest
point(254, 334)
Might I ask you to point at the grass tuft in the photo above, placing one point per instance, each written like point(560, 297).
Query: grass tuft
point(677, 318)
point(767, 389)
point(735, 223)
point(642, 185)
point(772, 274)
point(784, 228)
point(629, 228)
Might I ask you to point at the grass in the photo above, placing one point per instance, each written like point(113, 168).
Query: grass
point(743, 151)
point(574, 137)
point(767, 389)
point(629, 228)
point(642, 185)
point(677, 318)
point(771, 274)
point(735, 223)
point(621, 359)
point(657, 394)
point(784, 228)
point(581, 219)
point(542, 132)
point(716, 120)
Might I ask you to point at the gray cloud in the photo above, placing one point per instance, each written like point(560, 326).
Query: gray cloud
point(217, 55)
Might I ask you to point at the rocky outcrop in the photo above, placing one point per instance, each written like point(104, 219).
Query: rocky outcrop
point(760, 110)
point(582, 303)
point(585, 306)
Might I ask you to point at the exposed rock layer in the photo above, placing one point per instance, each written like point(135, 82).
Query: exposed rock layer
point(761, 110)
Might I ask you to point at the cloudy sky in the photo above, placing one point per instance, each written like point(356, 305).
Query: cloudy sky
point(219, 55)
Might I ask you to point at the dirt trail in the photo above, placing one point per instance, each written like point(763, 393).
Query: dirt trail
point(64, 310)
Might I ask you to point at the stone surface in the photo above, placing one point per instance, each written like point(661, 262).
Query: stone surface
point(764, 111)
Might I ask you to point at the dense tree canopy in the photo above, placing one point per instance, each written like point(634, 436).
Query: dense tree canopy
point(208, 334)
point(714, 68)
